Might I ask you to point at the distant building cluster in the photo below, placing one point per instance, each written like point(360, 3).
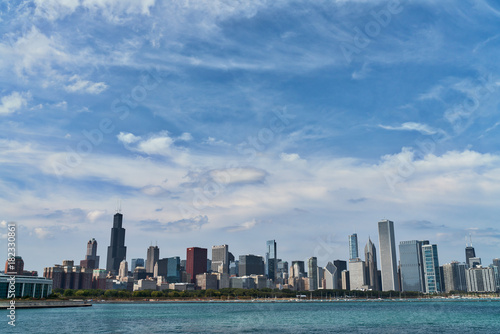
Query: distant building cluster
point(418, 269)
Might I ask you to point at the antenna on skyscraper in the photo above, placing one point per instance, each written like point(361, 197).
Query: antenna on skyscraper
point(470, 237)
point(119, 206)
point(466, 245)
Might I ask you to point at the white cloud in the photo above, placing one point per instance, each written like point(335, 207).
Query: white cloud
point(13, 102)
point(412, 126)
point(127, 138)
point(43, 233)
point(95, 214)
point(186, 136)
point(79, 85)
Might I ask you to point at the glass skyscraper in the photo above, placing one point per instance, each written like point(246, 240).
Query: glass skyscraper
point(312, 264)
point(353, 246)
point(412, 267)
point(431, 269)
point(271, 259)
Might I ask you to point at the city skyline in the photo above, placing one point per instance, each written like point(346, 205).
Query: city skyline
point(231, 123)
point(411, 260)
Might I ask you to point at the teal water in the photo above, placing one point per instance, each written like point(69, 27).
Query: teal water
point(282, 317)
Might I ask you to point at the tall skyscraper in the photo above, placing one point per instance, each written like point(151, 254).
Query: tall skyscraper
point(153, 256)
point(196, 262)
point(117, 251)
point(353, 246)
point(371, 266)
point(412, 266)
point(312, 265)
point(388, 263)
point(251, 265)
point(271, 259)
point(469, 250)
point(220, 259)
point(432, 272)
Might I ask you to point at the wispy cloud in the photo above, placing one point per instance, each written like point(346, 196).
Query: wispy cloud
point(412, 126)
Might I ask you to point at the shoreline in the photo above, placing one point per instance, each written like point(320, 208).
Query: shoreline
point(90, 302)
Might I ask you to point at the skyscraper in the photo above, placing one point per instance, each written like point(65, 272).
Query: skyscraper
point(297, 269)
point(388, 263)
point(312, 264)
point(331, 276)
point(340, 266)
point(271, 259)
point(91, 259)
point(432, 272)
point(196, 262)
point(469, 250)
point(117, 251)
point(412, 267)
point(153, 256)
point(123, 272)
point(454, 276)
point(220, 259)
point(136, 263)
point(251, 265)
point(353, 246)
point(357, 275)
point(371, 266)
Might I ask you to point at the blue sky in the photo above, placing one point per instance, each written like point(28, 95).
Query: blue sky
point(240, 121)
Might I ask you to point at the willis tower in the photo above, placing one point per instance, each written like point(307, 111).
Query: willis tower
point(116, 250)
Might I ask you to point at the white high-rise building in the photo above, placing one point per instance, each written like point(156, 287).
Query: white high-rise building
point(220, 259)
point(330, 276)
point(388, 262)
point(123, 272)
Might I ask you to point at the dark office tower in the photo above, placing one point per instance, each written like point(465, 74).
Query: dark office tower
point(312, 264)
point(341, 266)
point(251, 265)
point(496, 262)
point(117, 251)
point(230, 257)
point(371, 266)
point(152, 257)
point(220, 259)
point(271, 259)
point(469, 250)
point(196, 262)
point(412, 265)
point(91, 259)
point(388, 263)
point(353, 247)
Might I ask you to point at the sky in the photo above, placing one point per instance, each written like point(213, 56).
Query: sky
point(210, 122)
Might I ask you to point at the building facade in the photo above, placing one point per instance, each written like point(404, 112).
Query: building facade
point(412, 267)
point(432, 272)
point(388, 263)
point(196, 262)
point(117, 252)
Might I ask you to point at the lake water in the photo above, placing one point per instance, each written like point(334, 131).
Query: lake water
point(282, 317)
